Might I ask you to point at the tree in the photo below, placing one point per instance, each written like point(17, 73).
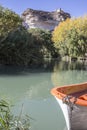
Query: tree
point(9, 21)
point(70, 37)
point(18, 46)
point(44, 42)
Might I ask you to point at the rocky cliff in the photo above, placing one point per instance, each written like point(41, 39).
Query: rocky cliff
point(43, 19)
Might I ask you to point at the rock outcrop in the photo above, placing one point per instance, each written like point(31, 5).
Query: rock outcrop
point(43, 19)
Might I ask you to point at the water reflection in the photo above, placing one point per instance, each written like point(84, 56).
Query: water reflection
point(31, 87)
point(20, 83)
point(63, 65)
point(6, 70)
point(69, 73)
point(34, 86)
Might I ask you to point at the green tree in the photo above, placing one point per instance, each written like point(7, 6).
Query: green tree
point(43, 39)
point(19, 46)
point(70, 37)
point(9, 21)
point(76, 43)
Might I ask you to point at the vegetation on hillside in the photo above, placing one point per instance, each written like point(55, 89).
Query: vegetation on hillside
point(19, 46)
point(70, 37)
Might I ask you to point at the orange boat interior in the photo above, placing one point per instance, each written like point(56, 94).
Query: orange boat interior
point(78, 91)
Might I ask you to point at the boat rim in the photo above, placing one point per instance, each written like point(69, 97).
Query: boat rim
point(61, 95)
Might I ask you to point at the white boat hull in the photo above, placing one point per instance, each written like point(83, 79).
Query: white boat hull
point(65, 111)
point(76, 118)
point(73, 102)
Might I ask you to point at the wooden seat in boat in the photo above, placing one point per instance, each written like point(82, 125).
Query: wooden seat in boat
point(83, 97)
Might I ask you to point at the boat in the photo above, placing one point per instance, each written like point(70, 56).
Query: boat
point(72, 100)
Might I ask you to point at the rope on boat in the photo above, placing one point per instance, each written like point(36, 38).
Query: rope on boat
point(71, 104)
point(67, 101)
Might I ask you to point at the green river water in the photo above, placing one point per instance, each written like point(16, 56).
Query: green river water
point(31, 88)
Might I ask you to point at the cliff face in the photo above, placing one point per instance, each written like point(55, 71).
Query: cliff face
point(43, 19)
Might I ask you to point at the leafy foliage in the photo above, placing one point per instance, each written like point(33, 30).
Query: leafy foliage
point(70, 37)
point(42, 39)
point(10, 122)
point(8, 21)
point(19, 46)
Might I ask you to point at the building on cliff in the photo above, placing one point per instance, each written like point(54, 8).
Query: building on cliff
point(43, 19)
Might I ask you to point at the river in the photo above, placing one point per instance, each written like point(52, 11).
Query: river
point(31, 87)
